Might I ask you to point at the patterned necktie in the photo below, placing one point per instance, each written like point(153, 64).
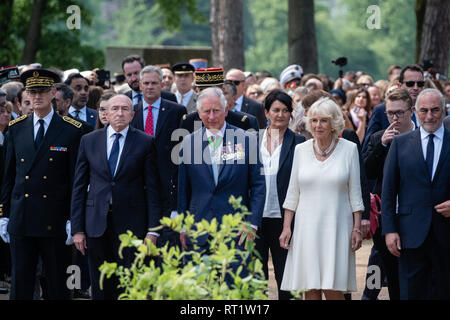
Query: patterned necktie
point(430, 154)
point(40, 134)
point(149, 122)
point(214, 160)
point(114, 155)
point(77, 114)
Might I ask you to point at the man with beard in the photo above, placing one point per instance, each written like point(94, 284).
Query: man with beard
point(78, 110)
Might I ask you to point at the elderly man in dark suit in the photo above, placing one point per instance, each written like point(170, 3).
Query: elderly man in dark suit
point(229, 165)
point(243, 103)
point(159, 117)
point(37, 185)
point(415, 203)
point(118, 163)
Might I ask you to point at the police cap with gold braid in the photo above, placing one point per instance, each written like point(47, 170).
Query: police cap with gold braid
point(39, 79)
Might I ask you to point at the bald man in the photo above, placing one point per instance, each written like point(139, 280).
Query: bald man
point(119, 164)
point(243, 103)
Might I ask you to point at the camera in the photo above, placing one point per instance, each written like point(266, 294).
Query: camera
point(342, 61)
point(104, 77)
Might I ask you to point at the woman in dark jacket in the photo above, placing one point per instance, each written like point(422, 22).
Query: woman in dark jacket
point(277, 145)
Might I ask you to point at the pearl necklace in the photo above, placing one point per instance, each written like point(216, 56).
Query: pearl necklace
point(326, 152)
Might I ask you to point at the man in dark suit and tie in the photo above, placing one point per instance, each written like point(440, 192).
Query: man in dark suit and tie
point(416, 202)
point(78, 110)
point(398, 110)
point(159, 117)
point(118, 163)
point(37, 186)
point(411, 79)
point(239, 175)
point(132, 66)
point(242, 103)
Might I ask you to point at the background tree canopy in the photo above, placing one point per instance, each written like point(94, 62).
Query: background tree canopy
point(340, 28)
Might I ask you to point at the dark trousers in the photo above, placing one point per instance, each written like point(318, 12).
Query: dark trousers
point(424, 272)
point(25, 252)
point(5, 261)
point(106, 248)
point(268, 239)
point(389, 263)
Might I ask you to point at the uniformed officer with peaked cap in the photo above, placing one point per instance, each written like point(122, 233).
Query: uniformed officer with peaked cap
point(40, 159)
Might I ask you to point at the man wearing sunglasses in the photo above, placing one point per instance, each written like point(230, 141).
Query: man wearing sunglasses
point(411, 79)
point(243, 103)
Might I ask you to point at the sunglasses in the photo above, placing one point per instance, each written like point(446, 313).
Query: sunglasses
point(235, 82)
point(410, 84)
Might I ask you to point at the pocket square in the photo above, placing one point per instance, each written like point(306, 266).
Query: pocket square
point(61, 149)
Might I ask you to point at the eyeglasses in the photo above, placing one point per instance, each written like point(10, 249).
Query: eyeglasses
point(399, 113)
point(410, 84)
point(235, 82)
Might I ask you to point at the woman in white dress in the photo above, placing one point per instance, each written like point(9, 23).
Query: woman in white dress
point(324, 194)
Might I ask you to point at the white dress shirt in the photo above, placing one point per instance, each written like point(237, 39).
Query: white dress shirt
point(82, 115)
point(438, 139)
point(271, 164)
point(238, 103)
point(110, 133)
point(46, 119)
point(184, 99)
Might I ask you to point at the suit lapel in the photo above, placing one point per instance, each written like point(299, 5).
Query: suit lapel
point(162, 117)
point(288, 140)
point(224, 168)
point(244, 107)
point(444, 150)
point(138, 117)
point(26, 139)
point(102, 150)
point(53, 131)
point(129, 142)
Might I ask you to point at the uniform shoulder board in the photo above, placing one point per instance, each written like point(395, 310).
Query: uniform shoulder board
point(184, 117)
point(244, 118)
point(17, 119)
point(73, 122)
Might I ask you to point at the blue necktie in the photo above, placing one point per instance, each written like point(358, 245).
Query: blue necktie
point(214, 162)
point(114, 155)
point(430, 154)
point(139, 97)
point(40, 134)
point(77, 114)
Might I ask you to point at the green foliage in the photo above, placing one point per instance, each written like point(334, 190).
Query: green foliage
point(203, 277)
point(58, 47)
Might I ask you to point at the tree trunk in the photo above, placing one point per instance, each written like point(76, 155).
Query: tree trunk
point(227, 35)
point(435, 35)
point(302, 35)
point(6, 8)
point(34, 32)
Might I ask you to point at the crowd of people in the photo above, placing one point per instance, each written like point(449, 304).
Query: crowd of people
point(320, 163)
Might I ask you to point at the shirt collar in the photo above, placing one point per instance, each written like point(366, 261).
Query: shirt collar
point(239, 100)
point(134, 93)
point(72, 110)
point(46, 119)
point(439, 133)
point(110, 131)
point(156, 104)
point(220, 133)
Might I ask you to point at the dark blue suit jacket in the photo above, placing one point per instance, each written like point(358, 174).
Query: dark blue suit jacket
point(169, 118)
point(91, 116)
point(134, 190)
point(197, 192)
point(406, 176)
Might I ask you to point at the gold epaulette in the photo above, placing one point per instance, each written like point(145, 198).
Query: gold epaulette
point(73, 122)
point(184, 117)
point(244, 118)
point(17, 120)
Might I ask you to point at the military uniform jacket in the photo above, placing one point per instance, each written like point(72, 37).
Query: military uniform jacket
point(37, 184)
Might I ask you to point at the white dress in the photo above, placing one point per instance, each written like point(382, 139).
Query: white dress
point(324, 196)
